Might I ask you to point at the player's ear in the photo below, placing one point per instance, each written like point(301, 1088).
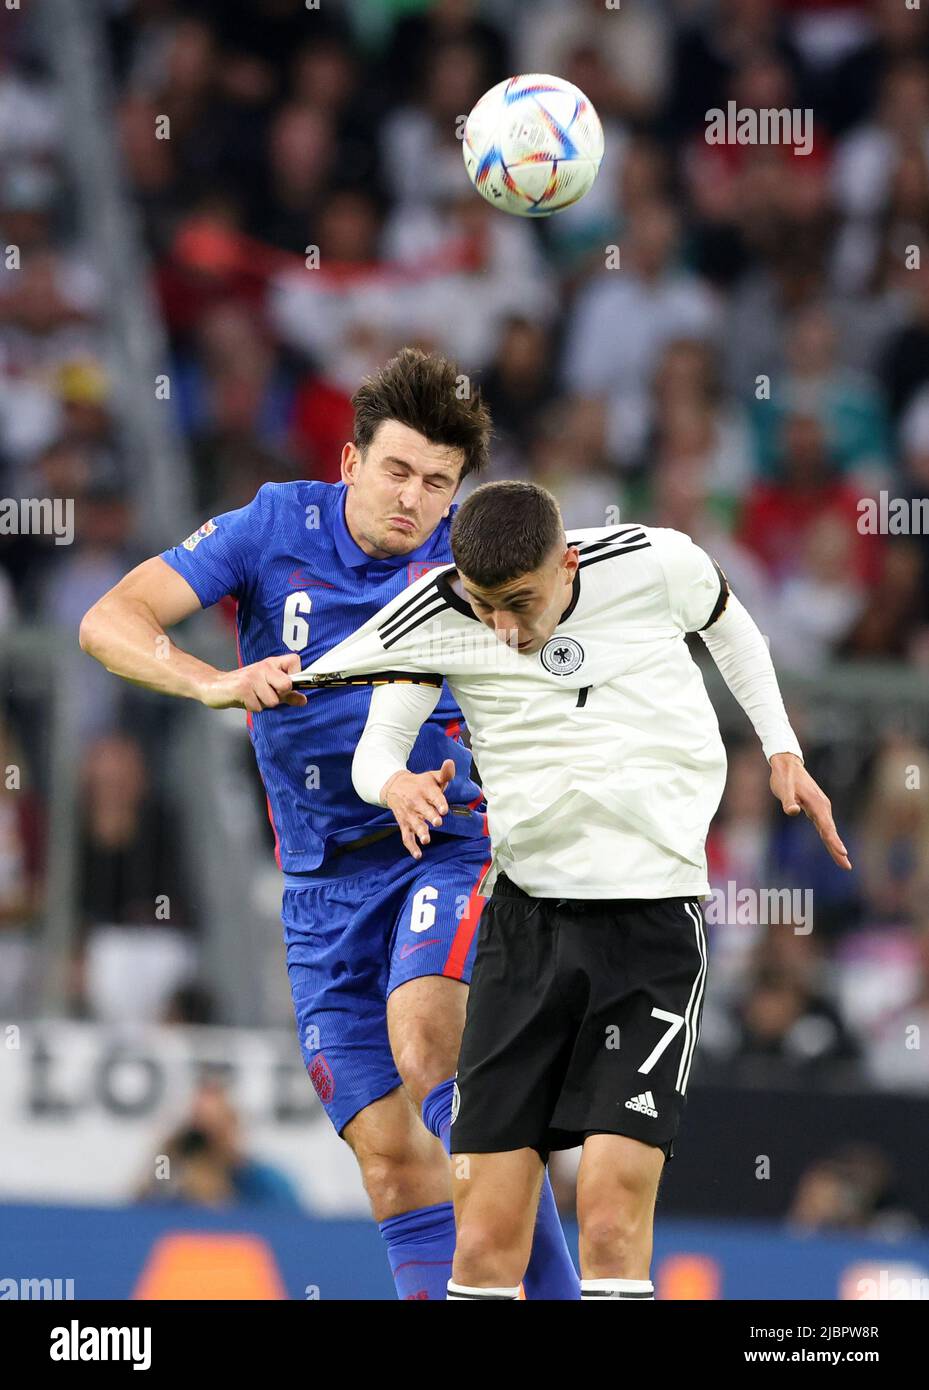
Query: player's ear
point(351, 459)
point(572, 559)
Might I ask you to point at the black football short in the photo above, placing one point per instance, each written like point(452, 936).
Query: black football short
point(582, 1019)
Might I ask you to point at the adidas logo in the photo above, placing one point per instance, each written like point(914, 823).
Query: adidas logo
point(645, 1104)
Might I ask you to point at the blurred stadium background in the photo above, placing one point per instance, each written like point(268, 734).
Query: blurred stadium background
point(165, 348)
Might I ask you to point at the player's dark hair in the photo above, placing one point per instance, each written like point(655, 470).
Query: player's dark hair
point(426, 392)
point(504, 530)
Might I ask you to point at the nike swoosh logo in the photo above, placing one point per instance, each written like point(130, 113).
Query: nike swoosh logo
point(407, 949)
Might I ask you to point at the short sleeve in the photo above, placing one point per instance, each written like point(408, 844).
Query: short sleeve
point(697, 588)
point(221, 556)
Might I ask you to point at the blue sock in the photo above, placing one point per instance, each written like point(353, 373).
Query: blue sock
point(437, 1110)
point(420, 1246)
point(551, 1273)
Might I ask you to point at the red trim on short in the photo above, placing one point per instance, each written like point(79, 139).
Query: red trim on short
point(458, 954)
point(453, 729)
point(277, 840)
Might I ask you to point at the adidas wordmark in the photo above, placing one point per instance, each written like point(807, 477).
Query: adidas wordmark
point(645, 1104)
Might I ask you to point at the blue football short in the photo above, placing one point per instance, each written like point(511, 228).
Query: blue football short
point(375, 920)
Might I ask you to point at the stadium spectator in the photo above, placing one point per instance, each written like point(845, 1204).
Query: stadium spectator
point(301, 160)
point(710, 45)
point(867, 156)
point(894, 1050)
point(517, 385)
point(851, 1190)
point(236, 396)
point(738, 852)
point(410, 51)
point(788, 1030)
point(22, 832)
point(209, 1164)
point(779, 515)
point(622, 320)
point(886, 628)
point(625, 49)
point(894, 855)
point(420, 146)
point(904, 365)
point(847, 403)
point(134, 900)
point(896, 32)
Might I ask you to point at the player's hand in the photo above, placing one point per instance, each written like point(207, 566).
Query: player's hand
point(796, 791)
point(263, 685)
point(417, 800)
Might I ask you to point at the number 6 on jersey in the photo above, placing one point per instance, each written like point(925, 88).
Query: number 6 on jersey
point(296, 631)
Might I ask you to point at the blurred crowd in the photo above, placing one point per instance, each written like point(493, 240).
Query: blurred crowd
point(728, 339)
point(207, 1161)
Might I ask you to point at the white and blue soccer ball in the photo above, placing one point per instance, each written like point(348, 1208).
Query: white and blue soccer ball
point(532, 145)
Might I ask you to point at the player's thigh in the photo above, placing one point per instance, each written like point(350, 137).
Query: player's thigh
point(432, 954)
point(425, 1019)
point(617, 1183)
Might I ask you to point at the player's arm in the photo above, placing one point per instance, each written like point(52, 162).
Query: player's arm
point(701, 601)
point(126, 631)
point(742, 655)
point(379, 770)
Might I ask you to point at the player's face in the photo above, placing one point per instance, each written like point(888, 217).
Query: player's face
point(399, 490)
point(524, 612)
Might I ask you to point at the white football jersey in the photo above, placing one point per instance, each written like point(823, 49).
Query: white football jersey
point(600, 755)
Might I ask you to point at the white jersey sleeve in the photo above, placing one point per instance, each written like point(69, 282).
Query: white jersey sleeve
point(697, 587)
point(742, 655)
point(700, 601)
point(395, 717)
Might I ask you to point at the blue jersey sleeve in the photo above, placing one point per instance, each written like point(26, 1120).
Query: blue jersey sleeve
point(222, 556)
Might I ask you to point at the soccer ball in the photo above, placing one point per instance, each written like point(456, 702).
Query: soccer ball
point(532, 145)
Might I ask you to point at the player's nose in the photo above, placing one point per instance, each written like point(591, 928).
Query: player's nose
point(504, 623)
point(409, 493)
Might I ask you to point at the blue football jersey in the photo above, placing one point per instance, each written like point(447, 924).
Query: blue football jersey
point(302, 585)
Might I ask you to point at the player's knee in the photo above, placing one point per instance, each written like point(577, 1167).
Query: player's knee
point(386, 1180)
point(610, 1236)
point(396, 1184)
point(424, 1062)
point(491, 1249)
